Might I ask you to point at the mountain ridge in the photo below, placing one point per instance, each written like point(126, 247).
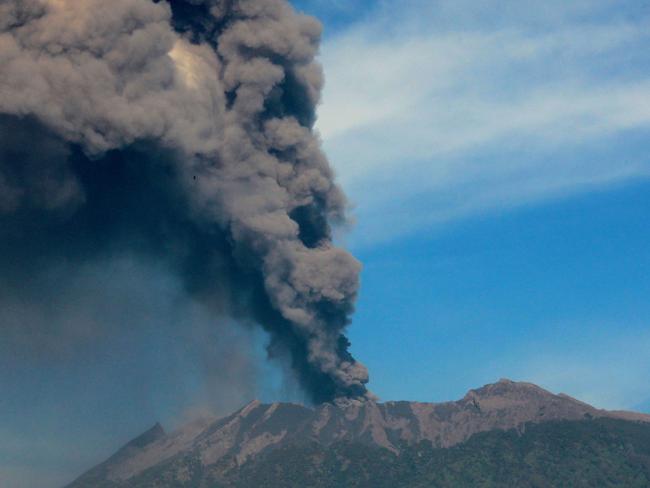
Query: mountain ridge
point(257, 428)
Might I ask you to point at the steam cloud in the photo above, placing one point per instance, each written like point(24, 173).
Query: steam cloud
point(181, 132)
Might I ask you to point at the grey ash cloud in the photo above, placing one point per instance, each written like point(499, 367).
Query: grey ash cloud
point(180, 132)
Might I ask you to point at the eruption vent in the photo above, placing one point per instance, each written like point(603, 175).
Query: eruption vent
point(180, 131)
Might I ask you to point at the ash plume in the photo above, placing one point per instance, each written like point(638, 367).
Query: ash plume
point(180, 132)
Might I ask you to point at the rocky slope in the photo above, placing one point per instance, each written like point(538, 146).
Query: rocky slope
point(222, 446)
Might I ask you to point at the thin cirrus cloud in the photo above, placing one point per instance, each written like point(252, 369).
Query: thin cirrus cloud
point(453, 117)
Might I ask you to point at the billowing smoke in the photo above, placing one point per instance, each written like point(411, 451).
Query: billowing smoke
point(180, 132)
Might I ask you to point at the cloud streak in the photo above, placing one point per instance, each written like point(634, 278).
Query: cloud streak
point(441, 105)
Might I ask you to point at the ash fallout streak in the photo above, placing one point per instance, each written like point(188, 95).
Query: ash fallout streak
point(180, 131)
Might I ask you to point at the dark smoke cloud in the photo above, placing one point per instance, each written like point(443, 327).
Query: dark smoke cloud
point(180, 132)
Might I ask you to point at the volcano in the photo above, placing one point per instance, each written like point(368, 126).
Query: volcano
point(502, 434)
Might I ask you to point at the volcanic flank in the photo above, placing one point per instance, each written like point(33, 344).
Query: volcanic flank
point(178, 132)
point(260, 445)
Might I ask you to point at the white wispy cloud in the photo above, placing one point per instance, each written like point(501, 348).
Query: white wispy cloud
point(468, 117)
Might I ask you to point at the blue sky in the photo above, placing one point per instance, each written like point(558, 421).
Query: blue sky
point(496, 158)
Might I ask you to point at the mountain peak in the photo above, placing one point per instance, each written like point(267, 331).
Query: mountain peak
point(248, 408)
point(507, 387)
point(153, 434)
